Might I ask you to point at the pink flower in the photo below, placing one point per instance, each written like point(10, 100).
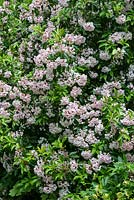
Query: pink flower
point(127, 146)
point(93, 75)
point(95, 164)
point(77, 39)
point(64, 101)
point(86, 154)
point(4, 113)
point(63, 3)
point(76, 91)
point(104, 158)
point(69, 113)
point(114, 145)
point(12, 95)
point(91, 139)
point(82, 80)
point(73, 166)
point(89, 26)
point(25, 97)
point(31, 120)
point(38, 74)
point(88, 169)
point(17, 104)
point(7, 74)
point(121, 19)
point(92, 62)
point(54, 128)
point(127, 121)
point(104, 55)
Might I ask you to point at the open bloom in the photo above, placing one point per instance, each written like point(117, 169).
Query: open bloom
point(89, 26)
point(121, 19)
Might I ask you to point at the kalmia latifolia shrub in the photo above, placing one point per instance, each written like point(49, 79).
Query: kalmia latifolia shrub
point(67, 100)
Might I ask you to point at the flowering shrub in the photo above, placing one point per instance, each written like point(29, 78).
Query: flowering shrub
point(66, 100)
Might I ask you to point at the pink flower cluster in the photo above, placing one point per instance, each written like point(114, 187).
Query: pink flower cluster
point(76, 39)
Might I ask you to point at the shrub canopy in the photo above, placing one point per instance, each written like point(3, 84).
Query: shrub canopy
point(66, 99)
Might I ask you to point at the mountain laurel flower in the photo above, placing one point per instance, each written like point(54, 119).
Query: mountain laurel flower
point(87, 52)
point(82, 60)
point(127, 121)
point(104, 55)
point(128, 36)
point(47, 34)
point(7, 74)
point(73, 165)
point(91, 61)
point(6, 3)
point(114, 145)
point(5, 105)
point(82, 110)
point(132, 139)
point(71, 110)
point(4, 89)
point(91, 139)
point(79, 142)
point(88, 169)
point(17, 104)
point(93, 98)
point(25, 97)
point(38, 169)
point(12, 95)
point(66, 124)
point(69, 113)
point(38, 74)
point(130, 158)
point(82, 80)
point(86, 154)
point(93, 122)
point(71, 136)
point(104, 158)
point(31, 120)
point(93, 75)
point(63, 3)
point(121, 19)
point(119, 53)
point(76, 39)
point(80, 40)
point(38, 19)
point(95, 164)
point(105, 69)
point(89, 26)
point(130, 74)
point(64, 101)
point(118, 36)
point(85, 116)
point(61, 62)
point(93, 113)
point(76, 91)
point(49, 188)
point(4, 113)
point(127, 146)
point(53, 128)
point(99, 128)
point(97, 105)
